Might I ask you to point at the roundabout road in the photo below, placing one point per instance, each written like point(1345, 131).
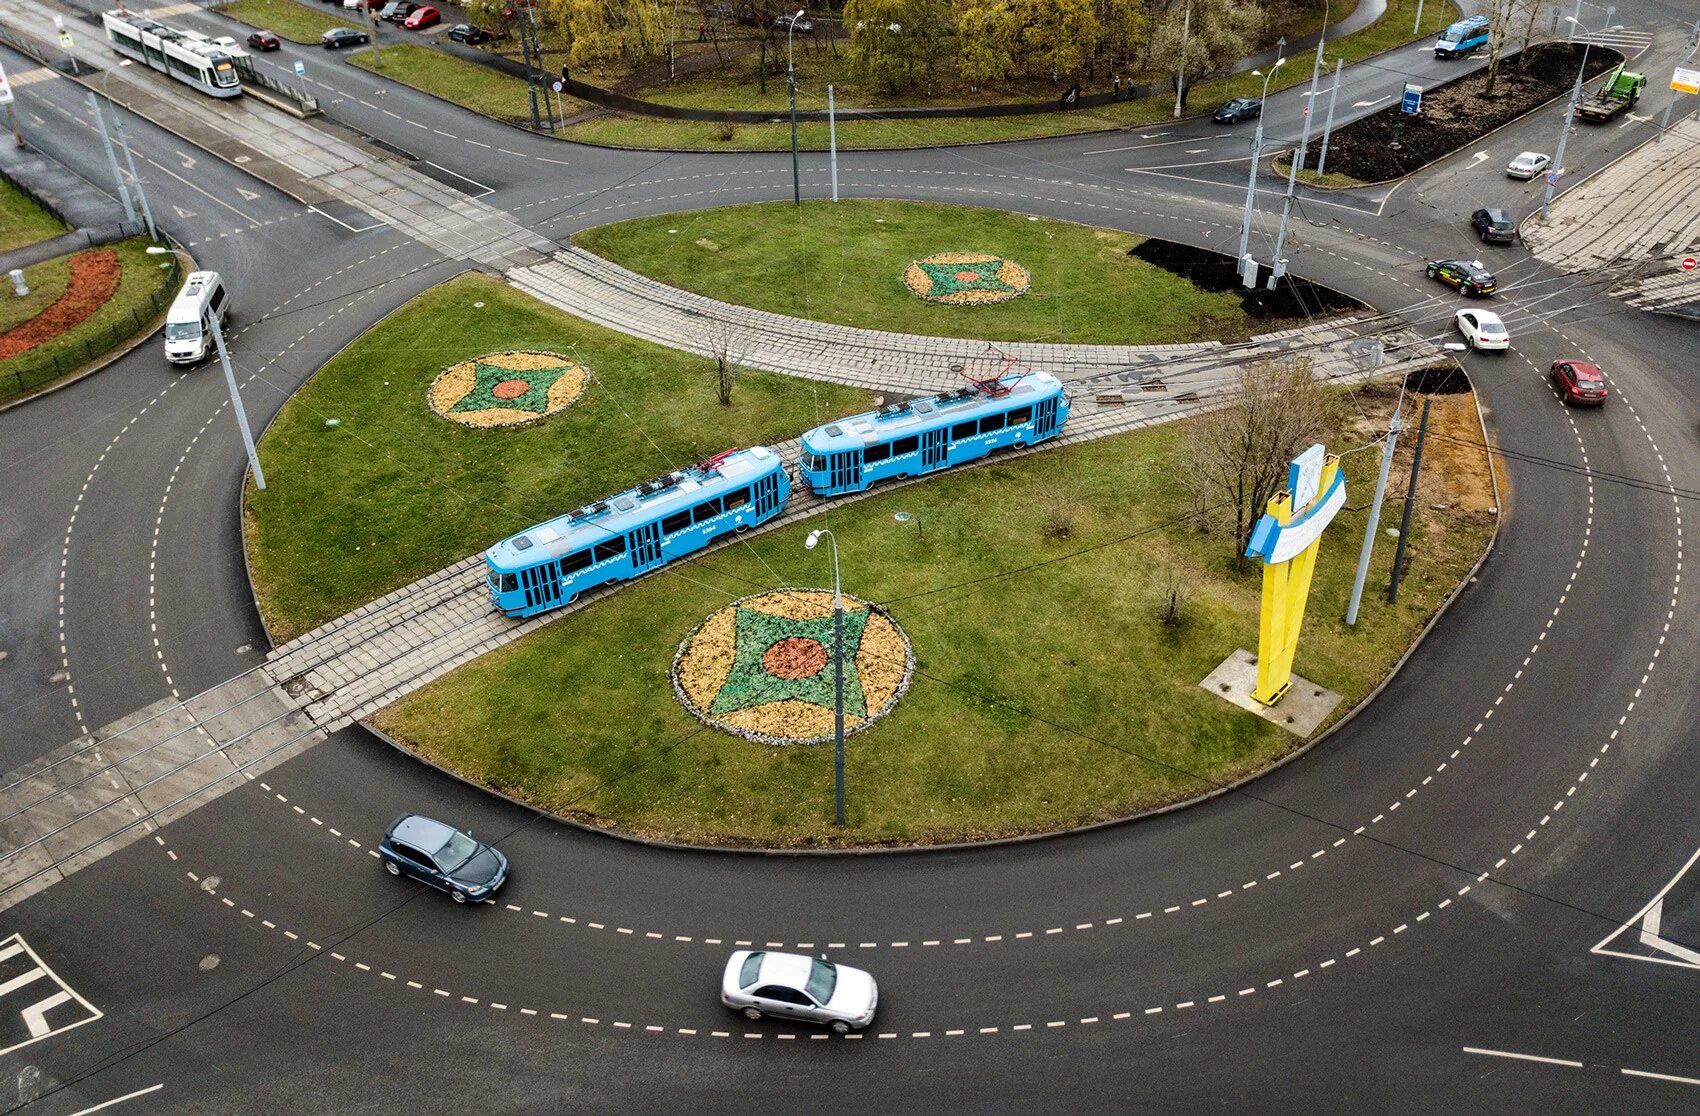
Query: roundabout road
point(1338, 936)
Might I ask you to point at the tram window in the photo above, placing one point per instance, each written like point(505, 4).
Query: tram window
point(576, 561)
point(1020, 416)
point(963, 430)
point(605, 550)
point(706, 511)
point(814, 463)
point(676, 522)
point(879, 451)
point(905, 445)
point(506, 583)
point(737, 499)
point(991, 423)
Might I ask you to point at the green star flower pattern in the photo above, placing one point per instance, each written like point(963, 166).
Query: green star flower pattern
point(534, 397)
point(751, 684)
point(946, 280)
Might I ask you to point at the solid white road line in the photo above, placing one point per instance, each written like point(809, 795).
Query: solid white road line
point(1141, 146)
point(120, 1100)
point(1521, 1057)
point(1661, 1076)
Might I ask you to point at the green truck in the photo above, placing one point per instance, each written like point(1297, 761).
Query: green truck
point(1616, 97)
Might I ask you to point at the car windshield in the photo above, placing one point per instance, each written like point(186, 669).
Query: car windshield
point(183, 331)
point(456, 851)
point(823, 978)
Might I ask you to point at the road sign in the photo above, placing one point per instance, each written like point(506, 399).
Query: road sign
point(556, 86)
point(1685, 81)
point(1688, 263)
point(1552, 178)
point(5, 88)
point(65, 40)
point(1411, 102)
point(300, 68)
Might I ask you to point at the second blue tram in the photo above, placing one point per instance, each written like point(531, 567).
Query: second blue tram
point(636, 530)
point(931, 433)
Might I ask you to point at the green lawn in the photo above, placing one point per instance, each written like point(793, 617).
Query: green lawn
point(395, 492)
point(1046, 698)
point(144, 290)
point(844, 263)
point(296, 22)
point(616, 130)
point(468, 84)
point(22, 221)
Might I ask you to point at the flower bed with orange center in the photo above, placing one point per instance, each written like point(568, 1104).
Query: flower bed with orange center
point(966, 278)
point(506, 389)
point(94, 280)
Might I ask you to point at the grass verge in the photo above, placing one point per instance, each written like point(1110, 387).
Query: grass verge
point(296, 22)
point(1331, 180)
point(479, 88)
point(1041, 699)
point(144, 290)
point(22, 221)
point(614, 130)
point(844, 264)
point(394, 491)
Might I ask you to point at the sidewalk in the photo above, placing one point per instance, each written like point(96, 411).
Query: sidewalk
point(1633, 222)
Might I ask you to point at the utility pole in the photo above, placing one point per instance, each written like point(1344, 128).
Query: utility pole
point(112, 160)
point(236, 402)
point(1374, 514)
point(531, 67)
point(791, 81)
point(1248, 269)
point(1693, 43)
point(1180, 72)
point(1278, 266)
point(1410, 503)
point(832, 139)
point(130, 161)
point(1328, 125)
point(1418, 26)
point(1570, 113)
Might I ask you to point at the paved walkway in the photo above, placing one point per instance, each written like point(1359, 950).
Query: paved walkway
point(80, 203)
point(1632, 224)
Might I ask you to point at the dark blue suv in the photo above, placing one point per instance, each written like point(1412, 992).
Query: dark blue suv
point(443, 857)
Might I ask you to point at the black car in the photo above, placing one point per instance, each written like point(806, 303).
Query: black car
point(1240, 108)
point(1469, 276)
point(791, 21)
point(468, 34)
point(338, 37)
point(396, 11)
point(1494, 224)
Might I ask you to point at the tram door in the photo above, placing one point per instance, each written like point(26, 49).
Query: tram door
point(846, 471)
point(1045, 422)
point(933, 451)
point(644, 545)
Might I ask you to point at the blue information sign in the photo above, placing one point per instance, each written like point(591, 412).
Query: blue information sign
point(1412, 102)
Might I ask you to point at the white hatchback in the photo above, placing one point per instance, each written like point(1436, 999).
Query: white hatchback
point(792, 986)
point(1483, 329)
point(1529, 164)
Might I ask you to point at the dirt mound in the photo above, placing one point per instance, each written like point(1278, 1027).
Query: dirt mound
point(1456, 113)
point(1292, 298)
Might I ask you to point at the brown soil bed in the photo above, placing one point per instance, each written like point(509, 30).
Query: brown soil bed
point(1292, 299)
point(94, 280)
point(1456, 113)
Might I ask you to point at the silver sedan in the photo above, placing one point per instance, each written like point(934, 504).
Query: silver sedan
point(792, 986)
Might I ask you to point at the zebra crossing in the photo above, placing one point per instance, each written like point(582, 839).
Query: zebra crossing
point(1628, 40)
point(34, 1001)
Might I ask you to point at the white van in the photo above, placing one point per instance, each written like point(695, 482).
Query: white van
point(188, 337)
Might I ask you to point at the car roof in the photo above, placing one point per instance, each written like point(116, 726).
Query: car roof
point(1495, 214)
point(1529, 155)
point(1485, 317)
point(421, 832)
point(1584, 368)
point(790, 969)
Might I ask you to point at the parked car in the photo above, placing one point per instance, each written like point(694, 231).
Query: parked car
point(792, 986)
point(397, 10)
point(1469, 276)
point(1493, 225)
point(338, 37)
point(1579, 382)
point(422, 18)
point(470, 35)
point(1238, 109)
point(1528, 165)
point(1482, 329)
point(791, 21)
point(264, 40)
point(438, 854)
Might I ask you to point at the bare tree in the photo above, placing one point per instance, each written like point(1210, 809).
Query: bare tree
point(1236, 456)
point(1173, 592)
point(1502, 14)
point(726, 358)
point(1059, 505)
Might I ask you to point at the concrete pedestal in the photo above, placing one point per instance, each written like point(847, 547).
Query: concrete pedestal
point(1300, 710)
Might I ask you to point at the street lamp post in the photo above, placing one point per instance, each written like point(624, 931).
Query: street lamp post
point(791, 80)
point(1570, 109)
point(838, 677)
point(1251, 179)
point(229, 379)
point(1180, 71)
point(1278, 266)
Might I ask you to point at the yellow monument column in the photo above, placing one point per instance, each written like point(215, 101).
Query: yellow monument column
point(1287, 539)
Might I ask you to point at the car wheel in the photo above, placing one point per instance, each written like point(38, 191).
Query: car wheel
point(839, 1027)
point(392, 867)
point(460, 896)
point(752, 1013)
point(1431, 272)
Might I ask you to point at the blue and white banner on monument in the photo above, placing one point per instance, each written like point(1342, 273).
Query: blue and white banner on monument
point(1277, 542)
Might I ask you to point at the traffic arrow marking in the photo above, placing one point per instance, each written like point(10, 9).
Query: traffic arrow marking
point(183, 213)
point(188, 160)
point(247, 195)
point(1367, 104)
point(1478, 158)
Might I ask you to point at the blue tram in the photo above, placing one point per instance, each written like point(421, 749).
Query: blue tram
point(931, 433)
point(636, 530)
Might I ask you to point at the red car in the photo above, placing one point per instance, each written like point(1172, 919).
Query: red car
point(1579, 382)
point(422, 18)
point(264, 40)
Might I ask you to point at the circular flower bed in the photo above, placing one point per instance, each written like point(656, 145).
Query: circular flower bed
point(966, 278)
point(761, 667)
point(506, 389)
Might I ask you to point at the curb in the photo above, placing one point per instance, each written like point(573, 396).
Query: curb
point(1471, 143)
point(1025, 838)
point(99, 362)
point(1594, 173)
